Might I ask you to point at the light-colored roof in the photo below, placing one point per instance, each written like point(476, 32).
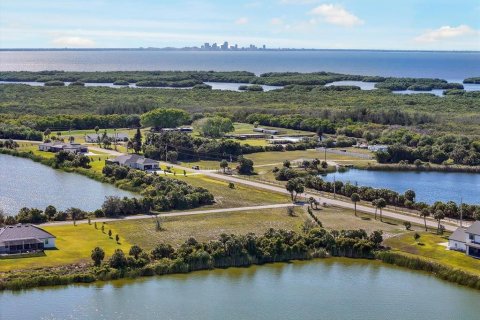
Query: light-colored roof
point(95, 136)
point(133, 158)
point(458, 235)
point(474, 228)
point(23, 232)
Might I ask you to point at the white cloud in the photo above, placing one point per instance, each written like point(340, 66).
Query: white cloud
point(298, 1)
point(337, 15)
point(242, 20)
point(73, 42)
point(276, 22)
point(446, 32)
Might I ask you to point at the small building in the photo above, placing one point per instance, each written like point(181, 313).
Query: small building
point(134, 161)
point(61, 146)
point(378, 147)
point(24, 238)
point(185, 129)
point(466, 240)
point(94, 138)
point(266, 131)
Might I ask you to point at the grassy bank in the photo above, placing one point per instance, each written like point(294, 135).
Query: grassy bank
point(439, 270)
point(433, 248)
point(74, 244)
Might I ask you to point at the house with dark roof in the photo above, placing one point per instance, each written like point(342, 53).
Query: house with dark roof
point(24, 238)
point(466, 240)
point(134, 161)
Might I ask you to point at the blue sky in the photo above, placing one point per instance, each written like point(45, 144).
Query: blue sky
point(356, 24)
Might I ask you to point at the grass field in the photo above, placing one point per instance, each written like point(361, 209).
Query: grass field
point(243, 128)
point(240, 196)
point(207, 226)
point(335, 218)
point(430, 246)
point(262, 158)
point(74, 245)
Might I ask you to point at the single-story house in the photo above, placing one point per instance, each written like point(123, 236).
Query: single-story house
point(23, 238)
point(466, 240)
point(266, 131)
point(134, 161)
point(185, 129)
point(61, 146)
point(94, 138)
point(378, 147)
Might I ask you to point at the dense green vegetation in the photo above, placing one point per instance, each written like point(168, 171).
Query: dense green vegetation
point(226, 251)
point(472, 80)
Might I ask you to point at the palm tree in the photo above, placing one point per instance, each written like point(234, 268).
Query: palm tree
point(374, 203)
point(355, 197)
point(439, 215)
point(97, 256)
point(381, 203)
point(425, 213)
point(224, 165)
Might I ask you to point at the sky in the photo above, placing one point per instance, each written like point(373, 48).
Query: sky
point(346, 24)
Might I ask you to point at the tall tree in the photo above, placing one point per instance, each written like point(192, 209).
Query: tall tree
point(425, 213)
point(165, 118)
point(439, 215)
point(355, 197)
point(137, 141)
point(381, 203)
point(224, 165)
point(295, 186)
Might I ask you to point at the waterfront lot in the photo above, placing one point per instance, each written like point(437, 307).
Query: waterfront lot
point(74, 244)
point(433, 247)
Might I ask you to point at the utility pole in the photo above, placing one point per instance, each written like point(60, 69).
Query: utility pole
point(461, 213)
point(325, 149)
point(334, 188)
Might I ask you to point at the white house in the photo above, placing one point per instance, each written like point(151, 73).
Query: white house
point(23, 238)
point(466, 240)
point(134, 161)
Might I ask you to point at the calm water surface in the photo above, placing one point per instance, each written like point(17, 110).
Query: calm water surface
point(25, 183)
point(429, 186)
point(333, 289)
point(445, 65)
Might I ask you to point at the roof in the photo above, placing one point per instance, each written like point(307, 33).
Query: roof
point(458, 235)
point(23, 232)
point(133, 158)
point(474, 228)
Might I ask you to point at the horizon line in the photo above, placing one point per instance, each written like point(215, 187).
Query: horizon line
point(229, 50)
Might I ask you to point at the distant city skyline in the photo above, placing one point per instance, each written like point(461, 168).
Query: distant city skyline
point(301, 24)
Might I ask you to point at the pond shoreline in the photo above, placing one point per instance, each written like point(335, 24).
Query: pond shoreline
point(87, 274)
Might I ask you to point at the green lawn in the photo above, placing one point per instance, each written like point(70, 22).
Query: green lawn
point(429, 246)
point(335, 218)
point(207, 226)
point(240, 196)
point(261, 158)
point(74, 245)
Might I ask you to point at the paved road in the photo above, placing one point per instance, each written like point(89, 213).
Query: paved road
point(176, 214)
point(334, 202)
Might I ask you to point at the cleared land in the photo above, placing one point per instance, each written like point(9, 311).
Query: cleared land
point(432, 246)
point(176, 230)
point(74, 245)
point(240, 196)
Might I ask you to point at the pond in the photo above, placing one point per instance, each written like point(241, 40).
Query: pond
point(371, 86)
point(25, 183)
point(429, 186)
point(215, 85)
point(321, 289)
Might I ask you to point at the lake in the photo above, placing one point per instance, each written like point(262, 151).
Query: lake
point(232, 86)
point(25, 183)
point(429, 186)
point(321, 289)
point(446, 65)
